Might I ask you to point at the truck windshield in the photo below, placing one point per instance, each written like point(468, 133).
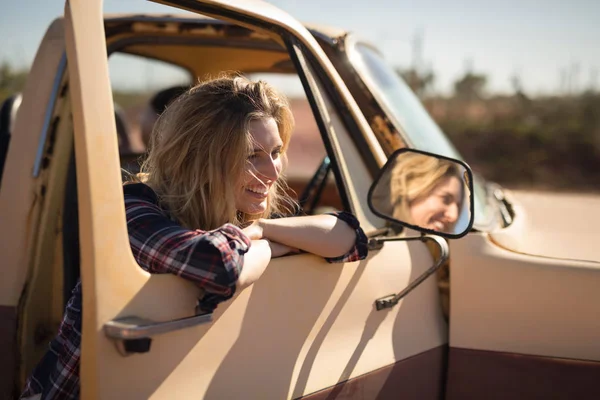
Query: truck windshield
point(409, 116)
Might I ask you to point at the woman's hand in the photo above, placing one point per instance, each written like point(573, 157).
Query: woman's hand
point(279, 250)
point(255, 232)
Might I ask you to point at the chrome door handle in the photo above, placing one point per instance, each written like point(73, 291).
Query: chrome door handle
point(134, 334)
point(139, 328)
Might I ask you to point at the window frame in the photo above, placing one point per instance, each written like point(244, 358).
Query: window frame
point(318, 111)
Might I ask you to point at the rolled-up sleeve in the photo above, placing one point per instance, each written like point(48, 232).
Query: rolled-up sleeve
point(211, 259)
point(360, 249)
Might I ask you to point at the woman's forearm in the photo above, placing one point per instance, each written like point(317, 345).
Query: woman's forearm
point(323, 235)
point(255, 262)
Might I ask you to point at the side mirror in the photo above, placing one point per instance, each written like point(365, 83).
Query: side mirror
point(425, 192)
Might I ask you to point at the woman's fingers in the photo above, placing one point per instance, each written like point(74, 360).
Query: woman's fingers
point(278, 249)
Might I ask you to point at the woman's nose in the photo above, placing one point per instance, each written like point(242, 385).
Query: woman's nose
point(452, 212)
point(269, 169)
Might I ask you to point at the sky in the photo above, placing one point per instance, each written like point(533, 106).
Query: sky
point(544, 43)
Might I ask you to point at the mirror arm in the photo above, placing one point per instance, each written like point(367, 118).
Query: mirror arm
point(393, 299)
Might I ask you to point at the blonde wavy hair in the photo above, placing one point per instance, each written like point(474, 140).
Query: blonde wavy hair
point(200, 145)
point(415, 176)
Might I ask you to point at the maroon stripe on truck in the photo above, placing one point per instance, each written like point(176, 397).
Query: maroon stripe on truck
point(420, 377)
point(480, 374)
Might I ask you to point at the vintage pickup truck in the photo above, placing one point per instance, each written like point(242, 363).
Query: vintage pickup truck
point(518, 318)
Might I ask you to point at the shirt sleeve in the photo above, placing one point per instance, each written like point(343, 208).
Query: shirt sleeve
point(211, 259)
point(360, 249)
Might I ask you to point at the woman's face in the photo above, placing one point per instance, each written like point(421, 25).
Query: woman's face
point(439, 210)
point(262, 169)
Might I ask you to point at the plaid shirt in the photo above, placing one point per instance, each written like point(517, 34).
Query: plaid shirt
point(211, 259)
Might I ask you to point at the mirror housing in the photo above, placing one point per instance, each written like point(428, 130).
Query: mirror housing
point(426, 192)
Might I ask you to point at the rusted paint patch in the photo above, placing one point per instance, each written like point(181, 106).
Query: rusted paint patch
point(388, 136)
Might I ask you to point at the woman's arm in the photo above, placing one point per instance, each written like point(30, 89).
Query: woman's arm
point(255, 262)
point(323, 235)
point(215, 260)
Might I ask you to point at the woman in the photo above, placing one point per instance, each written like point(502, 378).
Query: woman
point(201, 208)
point(427, 191)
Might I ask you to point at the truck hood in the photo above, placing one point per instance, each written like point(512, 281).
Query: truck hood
point(565, 226)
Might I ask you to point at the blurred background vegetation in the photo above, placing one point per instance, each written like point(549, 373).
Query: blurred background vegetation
point(517, 140)
point(11, 80)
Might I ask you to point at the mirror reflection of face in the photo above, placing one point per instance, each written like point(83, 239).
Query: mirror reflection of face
point(439, 209)
point(424, 192)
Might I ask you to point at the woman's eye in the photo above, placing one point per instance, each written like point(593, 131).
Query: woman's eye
point(276, 153)
point(253, 156)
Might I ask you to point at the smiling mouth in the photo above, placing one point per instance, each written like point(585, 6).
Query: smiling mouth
point(438, 225)
point(259, 193)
